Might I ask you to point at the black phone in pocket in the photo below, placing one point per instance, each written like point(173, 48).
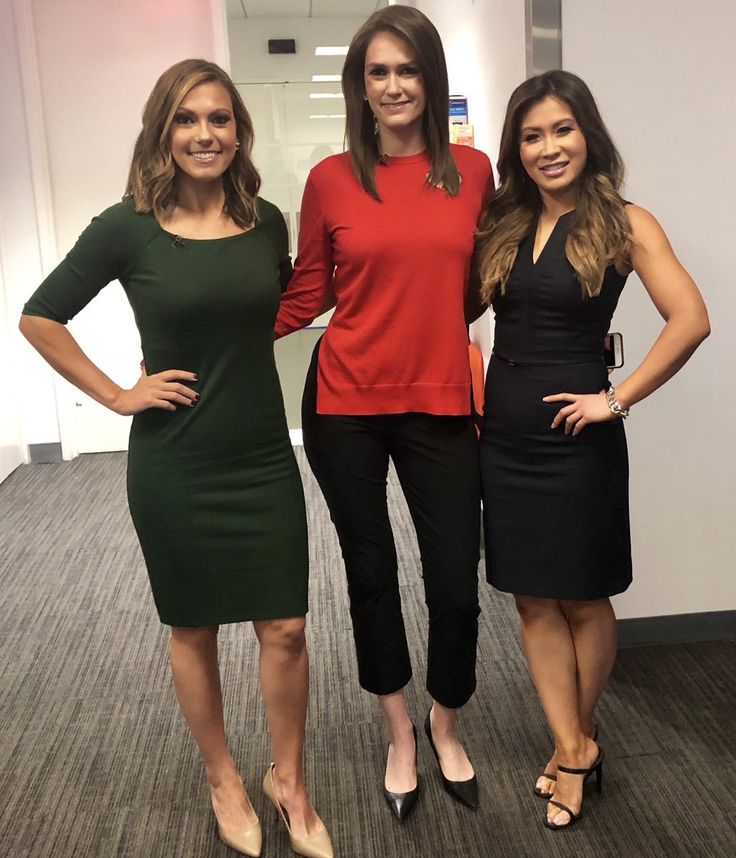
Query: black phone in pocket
point(613, 349)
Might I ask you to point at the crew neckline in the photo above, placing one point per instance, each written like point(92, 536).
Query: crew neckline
point(401, 160)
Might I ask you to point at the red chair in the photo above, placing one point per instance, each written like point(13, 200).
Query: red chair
point(477, 380)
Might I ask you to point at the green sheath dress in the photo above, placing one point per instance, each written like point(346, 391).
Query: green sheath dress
point(214, 490)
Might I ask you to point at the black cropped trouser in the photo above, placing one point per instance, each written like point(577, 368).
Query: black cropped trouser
point(436, 460)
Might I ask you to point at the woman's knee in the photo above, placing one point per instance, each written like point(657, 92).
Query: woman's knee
point(286, 636)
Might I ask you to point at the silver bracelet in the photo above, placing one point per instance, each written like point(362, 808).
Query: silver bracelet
point(615, 405)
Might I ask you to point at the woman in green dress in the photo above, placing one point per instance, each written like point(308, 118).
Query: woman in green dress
point(213, 486)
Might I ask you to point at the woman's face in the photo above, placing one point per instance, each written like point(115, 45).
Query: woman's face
point(394, 86)
point(552, 148)
point(203, 135)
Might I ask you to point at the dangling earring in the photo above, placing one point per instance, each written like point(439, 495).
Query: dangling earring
point(237, 145)
point(375, 126)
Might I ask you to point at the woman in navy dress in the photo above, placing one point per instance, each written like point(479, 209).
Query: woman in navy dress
point(557, 245)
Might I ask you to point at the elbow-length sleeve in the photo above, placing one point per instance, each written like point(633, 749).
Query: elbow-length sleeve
point(310, 290)
point(100, 255)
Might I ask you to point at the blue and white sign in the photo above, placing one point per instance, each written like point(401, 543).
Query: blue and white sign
point(458, 110)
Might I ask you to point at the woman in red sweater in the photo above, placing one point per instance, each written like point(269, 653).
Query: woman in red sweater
point(387, 227)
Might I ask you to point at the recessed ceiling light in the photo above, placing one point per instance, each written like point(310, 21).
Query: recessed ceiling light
point(331, 51)
point(327, 116)
point(325, 95)
point(326, 78)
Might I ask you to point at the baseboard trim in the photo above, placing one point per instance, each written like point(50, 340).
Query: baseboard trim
point(677, 628)
point(44, 453)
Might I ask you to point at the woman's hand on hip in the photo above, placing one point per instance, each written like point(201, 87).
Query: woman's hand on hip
point(160, 390)
point(584, 408)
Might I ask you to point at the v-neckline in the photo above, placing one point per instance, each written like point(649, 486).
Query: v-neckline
point(536, 261)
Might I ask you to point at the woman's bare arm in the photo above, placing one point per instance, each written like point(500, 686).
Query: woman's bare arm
point(59, 348)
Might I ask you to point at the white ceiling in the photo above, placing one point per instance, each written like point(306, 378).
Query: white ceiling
point(238, 9)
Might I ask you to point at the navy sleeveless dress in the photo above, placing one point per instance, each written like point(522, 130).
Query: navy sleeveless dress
point(556, 511)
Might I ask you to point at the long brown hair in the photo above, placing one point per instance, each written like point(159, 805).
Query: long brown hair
point(423, 40)
point(152, 176)
point(599, 232)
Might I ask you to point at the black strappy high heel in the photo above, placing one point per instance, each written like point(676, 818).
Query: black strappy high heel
point(552, 777)
point(597, 767)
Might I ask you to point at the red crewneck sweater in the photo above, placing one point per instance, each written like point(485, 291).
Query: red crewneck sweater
point(397, 341)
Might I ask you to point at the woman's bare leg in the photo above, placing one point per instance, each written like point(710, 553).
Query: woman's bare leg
point(550, 653)
point(284, 676)
point(193, 655)
point(594, 632)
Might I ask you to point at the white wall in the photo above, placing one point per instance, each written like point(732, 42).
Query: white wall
point(28, 411)
point(11, 453)
point(484, 42)
point(664, 82)
point(88, 66)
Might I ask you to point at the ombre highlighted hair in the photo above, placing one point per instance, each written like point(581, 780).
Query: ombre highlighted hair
point(599, 233)
point(153, 171)
point(420, 35)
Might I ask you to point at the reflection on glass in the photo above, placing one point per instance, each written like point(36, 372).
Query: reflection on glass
point(297, 125)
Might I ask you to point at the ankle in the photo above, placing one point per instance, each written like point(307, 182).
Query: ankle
point(221, 774)
point(290, 784)
point(442, 722)
point(401, 733)
point(588, 726)
point(573, 749)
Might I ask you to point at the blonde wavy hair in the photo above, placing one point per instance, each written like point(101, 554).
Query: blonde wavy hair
point(599, 232)
point(153, 171)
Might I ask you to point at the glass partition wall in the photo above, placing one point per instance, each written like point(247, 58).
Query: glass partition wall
point(296, 125)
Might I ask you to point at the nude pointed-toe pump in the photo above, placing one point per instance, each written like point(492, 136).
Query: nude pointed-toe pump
point(317, 845)
point(247, 841)
point(244, 839)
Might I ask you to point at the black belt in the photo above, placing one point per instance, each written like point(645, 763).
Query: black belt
point(581, 360)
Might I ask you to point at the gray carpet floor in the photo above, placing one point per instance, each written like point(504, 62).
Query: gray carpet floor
point(95, 759)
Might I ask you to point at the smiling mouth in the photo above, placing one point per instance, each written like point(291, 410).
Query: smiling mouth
point(391, 104)
point(204, 157)
point(556, 169)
